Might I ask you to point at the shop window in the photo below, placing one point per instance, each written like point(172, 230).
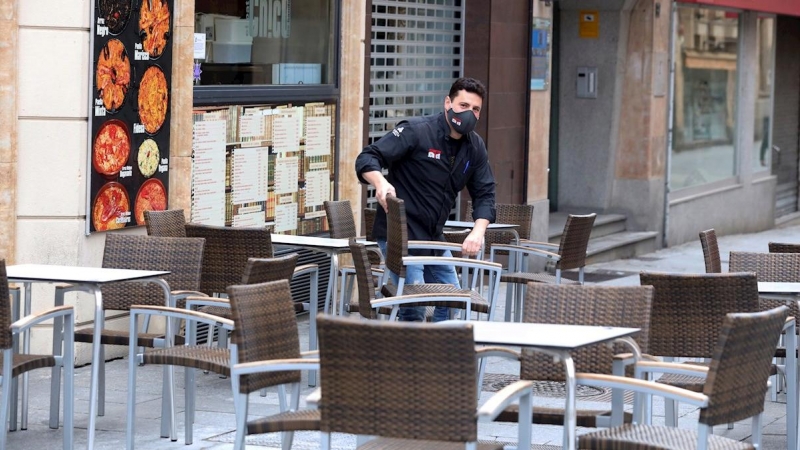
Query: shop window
point(704, 110)
point(765, 58)
point(267, 42)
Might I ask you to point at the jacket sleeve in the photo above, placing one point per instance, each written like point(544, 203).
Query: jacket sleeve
point(388, 149)
point(481, 187)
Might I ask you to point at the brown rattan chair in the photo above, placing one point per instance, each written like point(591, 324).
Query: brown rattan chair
point(708, 240)
point(737, 382)
point(688, 312)
point(181, 256)
point(168, 223)
point(15, 364)
point(612, 306)
point(342, 225)
point(265, 340)
point(521, 215)
point(397, 258)
point(783, 247)
point(369, 222)
point(403, 387)
point(569, 254)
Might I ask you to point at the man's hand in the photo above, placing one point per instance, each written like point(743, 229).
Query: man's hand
point(382, 187)
point(474, 241)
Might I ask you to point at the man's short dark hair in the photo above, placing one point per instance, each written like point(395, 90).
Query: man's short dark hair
point(467, 84)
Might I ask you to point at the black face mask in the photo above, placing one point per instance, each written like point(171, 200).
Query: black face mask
point(462, 122)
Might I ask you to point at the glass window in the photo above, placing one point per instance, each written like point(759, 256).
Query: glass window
point(267, 41)
point(765, 58)
point(704, 121)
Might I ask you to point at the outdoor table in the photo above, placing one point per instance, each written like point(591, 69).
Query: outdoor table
point(333, 248)
point(559, 341)
point(787, 291)
point(85, 279)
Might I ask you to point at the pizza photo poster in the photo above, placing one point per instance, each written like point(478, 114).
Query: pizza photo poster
point(129, 114)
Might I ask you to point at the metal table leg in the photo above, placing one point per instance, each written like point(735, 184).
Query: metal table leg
point(570, 419)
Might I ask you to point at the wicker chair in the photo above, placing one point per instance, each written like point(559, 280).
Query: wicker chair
point(397, 250)
point(708, 240)
point(361, 393)
point(15, 364)
point(688, 312)
point(569, 254)
point(181, 256)
point(510, 213)
point(783, 247)
point(737, 383)
point(612, 306)
point(342, 225)
point(264, 331)
point(169, 223)
point(369, 222)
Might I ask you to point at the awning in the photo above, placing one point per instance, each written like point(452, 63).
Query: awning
point(785, 7)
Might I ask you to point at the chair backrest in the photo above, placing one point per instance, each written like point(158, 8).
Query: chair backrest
point(708, 240)
point(366, 286)
point(574, 241)
point(775, 267)
point(396, 236)
point(341, 223)
point(181, 256)
point(612, 306)
point(398, 380)
point(510, 213)
point(783, 247)
point(168, 223)
point(265, 328)
point(737, 378)
point(227, 251)
point(688, 309)
point(369, 222)
point(5, 308)
point(262, 270)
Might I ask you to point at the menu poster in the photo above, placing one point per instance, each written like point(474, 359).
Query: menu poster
point(129, 116)
point(285, 217)
point(318, 136)
point(208, 172)
point(318, 187)
point(286, 175)
point(249, 174)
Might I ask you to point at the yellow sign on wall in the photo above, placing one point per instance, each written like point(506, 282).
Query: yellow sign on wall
point(589, 24)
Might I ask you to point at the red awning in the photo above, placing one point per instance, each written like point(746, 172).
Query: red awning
point(786, 7)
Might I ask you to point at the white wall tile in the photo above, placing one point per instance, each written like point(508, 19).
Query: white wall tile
point(53, 73)
point(52, 168)
point(49, 13)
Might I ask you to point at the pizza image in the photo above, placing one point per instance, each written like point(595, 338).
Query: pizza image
point(113, 75)
point(116, 14)
point(154, 26)
point(151, 197)
point(148, 158)
point(112, 146)
point(153, 99)
point(111, 208)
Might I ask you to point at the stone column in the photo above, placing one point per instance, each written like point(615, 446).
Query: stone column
point(9, 31)
point(180, 163)
point(351, 105)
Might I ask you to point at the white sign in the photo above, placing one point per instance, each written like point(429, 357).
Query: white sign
point(199, 46)
point(318, 136)
point(208, 172)
point(286, 175)
point(285, 217)
point(318, 187)
point(249, 174)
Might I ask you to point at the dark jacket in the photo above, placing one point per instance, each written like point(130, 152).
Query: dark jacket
point(428, 169)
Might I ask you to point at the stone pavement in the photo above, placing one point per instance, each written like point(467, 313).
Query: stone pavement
point(214, 423)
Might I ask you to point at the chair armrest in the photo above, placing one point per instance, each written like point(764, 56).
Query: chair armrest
point(501, 352)
point(274, 365)
point(672, 368)
point(451, 261)
point(33, 319)
point(505, 397)
point(185, 314)
point(434, 245)
point(305, 269)
point(177, 295)
point(523, 250)
point(310, 354)
point(419, 298)
point(646, 387)
point(539, 245)
point(207, 301)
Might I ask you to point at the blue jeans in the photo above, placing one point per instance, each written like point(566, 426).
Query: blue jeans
point(424, 274)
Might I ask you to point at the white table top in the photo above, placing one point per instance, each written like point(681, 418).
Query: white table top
point(314, 241)
point(543, 336)
point(766, 287)
point(74, 274)
point(467, 224)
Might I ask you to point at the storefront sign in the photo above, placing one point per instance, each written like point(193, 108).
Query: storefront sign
point(129, 120)
point(540, 54)
point(589, 24)
point(786, 7)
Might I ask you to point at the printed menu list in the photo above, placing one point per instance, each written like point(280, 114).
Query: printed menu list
point(249, 174)
point(208, 172)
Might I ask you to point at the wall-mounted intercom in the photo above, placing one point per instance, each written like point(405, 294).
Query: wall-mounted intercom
point(586, 84)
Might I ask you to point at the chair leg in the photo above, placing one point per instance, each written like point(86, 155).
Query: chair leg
point(68, 365)
point(757, 422)
point(4, 410)
point(671, 413)
point(241, 419)
point(189, 400)
point(287, 437)
point(55, 374)
point(132, 363)
point(101, 382)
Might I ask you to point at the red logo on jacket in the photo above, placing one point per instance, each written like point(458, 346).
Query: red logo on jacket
point(435, 154)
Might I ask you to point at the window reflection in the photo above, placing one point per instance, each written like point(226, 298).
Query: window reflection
point(705, 97)
point(762, 136)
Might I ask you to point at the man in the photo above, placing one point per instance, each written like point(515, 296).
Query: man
point(430, 160)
